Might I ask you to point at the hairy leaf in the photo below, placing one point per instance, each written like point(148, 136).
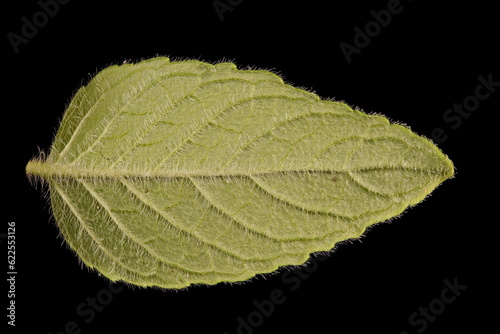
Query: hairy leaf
point(176, 173)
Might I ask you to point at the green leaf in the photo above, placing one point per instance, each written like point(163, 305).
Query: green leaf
point(176, 173)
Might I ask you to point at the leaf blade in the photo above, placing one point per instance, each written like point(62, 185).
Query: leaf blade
point(177, 173)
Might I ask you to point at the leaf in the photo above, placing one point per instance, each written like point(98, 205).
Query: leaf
point(176, 173)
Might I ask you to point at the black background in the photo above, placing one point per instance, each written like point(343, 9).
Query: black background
point(426, 59)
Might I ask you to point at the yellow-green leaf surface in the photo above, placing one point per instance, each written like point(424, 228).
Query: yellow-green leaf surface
point(176, 173)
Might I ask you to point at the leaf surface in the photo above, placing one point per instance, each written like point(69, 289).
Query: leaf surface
point(176, 173)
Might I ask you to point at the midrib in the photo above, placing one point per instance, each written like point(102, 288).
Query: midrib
point(47, 170)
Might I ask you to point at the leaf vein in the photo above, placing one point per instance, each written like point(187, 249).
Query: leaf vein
point(127, 233)
point(88, 113)
point(170, 220)
point(94, 238)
